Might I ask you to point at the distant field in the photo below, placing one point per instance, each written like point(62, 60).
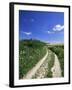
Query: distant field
point(59, 51)
point(30, 52)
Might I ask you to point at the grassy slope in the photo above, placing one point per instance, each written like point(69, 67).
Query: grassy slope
point(59, 51)
point(30, 52)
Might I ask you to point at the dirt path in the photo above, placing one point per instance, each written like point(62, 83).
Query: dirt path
point(56, 69)
point(32, 72)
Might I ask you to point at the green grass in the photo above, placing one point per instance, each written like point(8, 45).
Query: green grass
point(30, 52)
point(51, 58)
point(59, 51)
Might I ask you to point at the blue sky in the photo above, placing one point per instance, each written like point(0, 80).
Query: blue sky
point(41, 25)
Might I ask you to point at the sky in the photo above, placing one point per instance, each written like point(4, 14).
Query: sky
point(41, 25)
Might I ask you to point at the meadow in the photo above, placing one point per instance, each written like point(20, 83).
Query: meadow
point(30, 52)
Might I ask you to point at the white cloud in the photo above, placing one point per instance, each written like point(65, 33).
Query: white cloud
point(58, 27)
point(49, 32)
point(27, 33)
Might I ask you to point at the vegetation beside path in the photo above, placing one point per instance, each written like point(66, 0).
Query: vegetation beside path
point(59, 51)
point(51, 58)
point(30, 52)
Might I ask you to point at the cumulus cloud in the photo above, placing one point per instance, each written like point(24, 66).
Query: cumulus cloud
point(27, 33)
point(58, 27)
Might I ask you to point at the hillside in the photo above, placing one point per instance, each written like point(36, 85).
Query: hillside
point(30, 52)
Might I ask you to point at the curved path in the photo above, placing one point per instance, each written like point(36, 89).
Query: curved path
point(56, 69)
point(32, 72)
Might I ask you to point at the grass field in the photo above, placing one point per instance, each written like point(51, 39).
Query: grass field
point(59, 51)
point(30, 52)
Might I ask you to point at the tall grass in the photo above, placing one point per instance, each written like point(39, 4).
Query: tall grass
point(59, 51)
point(30, 52)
